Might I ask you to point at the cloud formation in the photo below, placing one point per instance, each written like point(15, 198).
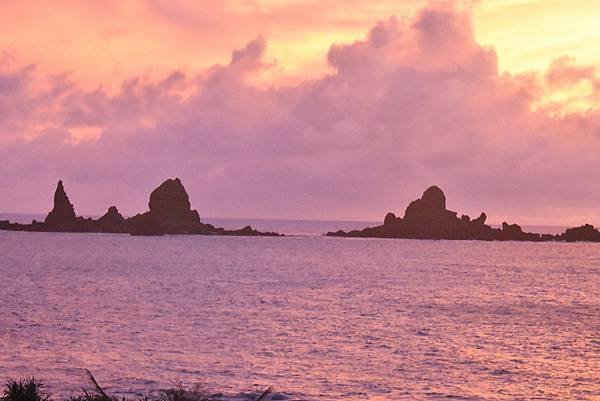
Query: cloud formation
point(416, 102)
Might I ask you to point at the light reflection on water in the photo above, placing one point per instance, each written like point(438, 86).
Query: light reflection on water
point(318, 318)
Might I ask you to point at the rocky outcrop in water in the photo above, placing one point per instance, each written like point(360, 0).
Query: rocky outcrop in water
point(169, 212)
point(112, 222)
point(62, 215)
point(585, 233)
point(428, 218)
point(170, 205)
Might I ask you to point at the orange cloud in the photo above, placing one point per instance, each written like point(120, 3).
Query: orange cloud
point(108, 41)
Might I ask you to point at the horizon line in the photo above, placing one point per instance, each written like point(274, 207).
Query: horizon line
point(499, 224)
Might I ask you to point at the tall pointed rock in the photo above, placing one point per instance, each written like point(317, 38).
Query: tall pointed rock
point(63, 212)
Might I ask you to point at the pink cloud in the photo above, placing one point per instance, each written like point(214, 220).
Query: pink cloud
point(413, 104)
point(564, 71)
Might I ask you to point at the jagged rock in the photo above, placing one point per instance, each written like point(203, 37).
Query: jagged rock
point(112, 217)
point(170, 213)
point(511, 228)
point(586, 232)
point(112, 221)
point(430, 208)
point(431, 204)
point(63, 213)
point(481, 219)
point(248, 230)
point(428, 218)
point(390, 218)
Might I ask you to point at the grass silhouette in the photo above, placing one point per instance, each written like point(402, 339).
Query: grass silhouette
point(32, 389)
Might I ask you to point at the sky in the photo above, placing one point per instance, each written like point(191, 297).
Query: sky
point(324, 109)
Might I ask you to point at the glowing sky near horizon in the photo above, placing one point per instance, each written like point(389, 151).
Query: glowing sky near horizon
point(328, 109)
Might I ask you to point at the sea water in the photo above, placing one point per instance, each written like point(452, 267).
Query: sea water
point(315, 317)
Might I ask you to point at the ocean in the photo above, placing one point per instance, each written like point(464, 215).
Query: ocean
point(317, 318)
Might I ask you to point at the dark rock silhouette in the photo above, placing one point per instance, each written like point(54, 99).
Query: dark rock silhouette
point(586, 233)
point(62, 214)
point(112, 222)
point(390, 219)
point(481, 219)
point(428, 218)
point(170, 213)
point(170, 205)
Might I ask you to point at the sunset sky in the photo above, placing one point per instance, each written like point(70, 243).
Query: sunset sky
point(323, 109)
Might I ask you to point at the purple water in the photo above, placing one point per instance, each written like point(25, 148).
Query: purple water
point(317, 318)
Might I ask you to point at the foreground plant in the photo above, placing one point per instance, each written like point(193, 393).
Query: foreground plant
point(34, 390)
point(25, 390)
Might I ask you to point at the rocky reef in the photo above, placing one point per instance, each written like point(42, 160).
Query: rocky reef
point(169, 212)
point(428, 218)
point(587, 233)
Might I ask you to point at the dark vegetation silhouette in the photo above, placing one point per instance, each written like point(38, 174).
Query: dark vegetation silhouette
point(428, 218)
point(169, 212)
point(32, 389)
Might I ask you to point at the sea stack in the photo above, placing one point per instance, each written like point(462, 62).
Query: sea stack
point(170, 206)
point(62, 215)
point(428, 218)
point(585, 233)
point(170, 213)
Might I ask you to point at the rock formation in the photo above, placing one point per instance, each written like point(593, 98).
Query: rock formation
point(62, 214)
point(170, 204)
point(585, 233)
point(170, 213)
point(428, 218)
point(112, 222)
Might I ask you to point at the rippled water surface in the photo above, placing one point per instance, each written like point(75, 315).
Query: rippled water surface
point(317, 318)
